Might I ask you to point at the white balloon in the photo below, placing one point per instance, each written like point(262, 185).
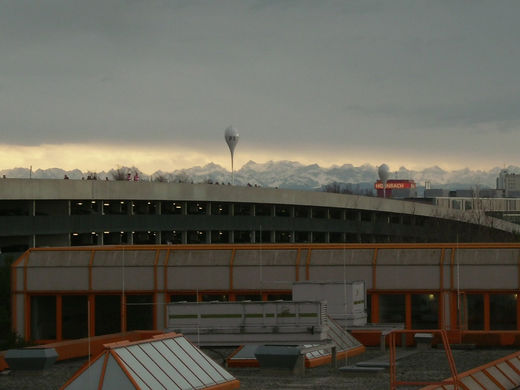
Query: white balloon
point(383, 172)
point(231, 135)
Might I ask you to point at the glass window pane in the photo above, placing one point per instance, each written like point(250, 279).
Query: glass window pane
point(392, 308)
point(425, 311)
point(43, 317)
point(74, 314)
point(139, 312)
point(502, 311)
point(475, 310)
point(183, 298)
point(108, 314)
point(214, 297)
point(248, 297)
point(279, 297)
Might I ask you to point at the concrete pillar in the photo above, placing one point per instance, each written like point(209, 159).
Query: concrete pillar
point(273, 236)
point(231, 237)
point(184, 236)
point(253, 238)
point(158, 208)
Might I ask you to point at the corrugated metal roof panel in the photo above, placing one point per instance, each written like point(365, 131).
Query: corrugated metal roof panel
point(171, 363)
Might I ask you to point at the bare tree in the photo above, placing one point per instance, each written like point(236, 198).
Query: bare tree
point(336, 188)
point(161, 177)
point(182, 177)
point(120, 173)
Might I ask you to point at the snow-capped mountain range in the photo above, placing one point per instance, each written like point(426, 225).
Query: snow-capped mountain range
point(287, 174)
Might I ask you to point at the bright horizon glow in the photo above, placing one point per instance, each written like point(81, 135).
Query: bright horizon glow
point(149, 159)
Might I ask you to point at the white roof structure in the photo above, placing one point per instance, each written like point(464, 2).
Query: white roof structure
point(166, 361)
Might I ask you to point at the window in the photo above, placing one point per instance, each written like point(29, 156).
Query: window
point(43, 317)
point(475, 311)
point(248, 297)
point(183, 298)
point(279, 297)
point(502, 311)
point(139, 312)
point(74, 314)
point(214, 297)
point(107, 314)
point(392, 308)
point(425, 308)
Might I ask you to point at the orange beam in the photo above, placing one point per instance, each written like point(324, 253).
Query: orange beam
point(286, 246)
point(441, 289)
point(452, 267)
point(487, 318)
point(375, 309)
point(103, 370)
point(308, 264)
point(374, 269)
point(408, 311)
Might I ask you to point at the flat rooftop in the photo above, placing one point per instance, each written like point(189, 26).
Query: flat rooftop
point(424, 365)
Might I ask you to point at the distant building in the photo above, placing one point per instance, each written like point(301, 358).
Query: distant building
point(397, 189)
point(509, 183)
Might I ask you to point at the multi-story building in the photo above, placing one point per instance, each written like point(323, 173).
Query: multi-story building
point(43, 213)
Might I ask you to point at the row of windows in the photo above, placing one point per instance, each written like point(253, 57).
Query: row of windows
point(225, 236)
point(392, 308)
point(125, 207)
point(107, 312)
point(424, 308)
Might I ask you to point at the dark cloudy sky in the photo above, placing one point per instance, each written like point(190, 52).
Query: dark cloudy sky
point(99, 83)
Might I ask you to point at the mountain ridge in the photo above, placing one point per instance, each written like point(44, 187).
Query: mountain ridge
point(285, 174)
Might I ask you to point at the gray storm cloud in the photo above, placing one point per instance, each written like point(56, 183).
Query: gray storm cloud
point(303, 73)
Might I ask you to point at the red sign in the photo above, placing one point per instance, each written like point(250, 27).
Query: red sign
point(394, 184)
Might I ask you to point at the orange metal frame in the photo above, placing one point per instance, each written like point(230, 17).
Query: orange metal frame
point(394, 383)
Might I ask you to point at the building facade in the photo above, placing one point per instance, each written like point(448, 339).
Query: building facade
point(471, 290)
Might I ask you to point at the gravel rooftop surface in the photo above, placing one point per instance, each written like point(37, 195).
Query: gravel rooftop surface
point(423, 365)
